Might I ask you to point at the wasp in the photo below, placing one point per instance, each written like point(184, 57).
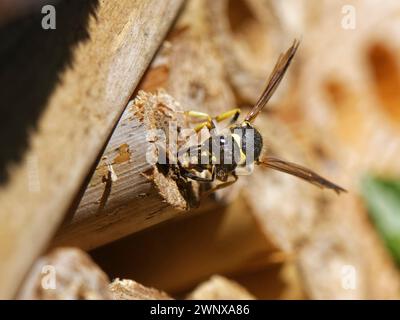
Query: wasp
point(238, 147)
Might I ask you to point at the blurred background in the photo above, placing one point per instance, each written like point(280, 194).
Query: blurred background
point(337, 111)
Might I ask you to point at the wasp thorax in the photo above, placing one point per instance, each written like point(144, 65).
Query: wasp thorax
point(224, 149)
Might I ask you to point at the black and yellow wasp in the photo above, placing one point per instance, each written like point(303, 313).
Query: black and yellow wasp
point(238, 147)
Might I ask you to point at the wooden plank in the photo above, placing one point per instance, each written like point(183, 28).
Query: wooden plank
point(70, 85)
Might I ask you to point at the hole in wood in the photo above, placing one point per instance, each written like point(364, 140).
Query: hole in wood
point(386, 75)
point(347, 118)
point(336, 92)
point(244, 25)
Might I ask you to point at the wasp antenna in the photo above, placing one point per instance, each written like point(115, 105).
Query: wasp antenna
point(275, 78)
point(300, 172)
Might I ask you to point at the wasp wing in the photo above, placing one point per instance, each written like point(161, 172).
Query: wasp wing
point(300, 172)
point(275, 78)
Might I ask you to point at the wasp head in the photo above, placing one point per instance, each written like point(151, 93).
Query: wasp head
point(250, 139)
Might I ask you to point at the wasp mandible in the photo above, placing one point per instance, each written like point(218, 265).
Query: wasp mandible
point(224, 154)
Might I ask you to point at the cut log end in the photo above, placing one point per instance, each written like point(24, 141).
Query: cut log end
point(65, 274)
point(220, 288)
point(126, 289)
point(160, 115)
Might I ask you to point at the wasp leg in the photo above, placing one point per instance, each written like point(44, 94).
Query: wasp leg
point(198, 115)
point(190, 175)
point(201, 115)
point(191, 151)
point(200, 126)
point(221, 185)
point(233, 114)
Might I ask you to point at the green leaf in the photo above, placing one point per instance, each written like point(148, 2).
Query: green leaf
point(383, 200)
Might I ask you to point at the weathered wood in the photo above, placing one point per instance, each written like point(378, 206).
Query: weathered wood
point(70, 85)
point(126, 289)
point(249, 35)
point(65, 274)
point(345, 129)
point(219, 288)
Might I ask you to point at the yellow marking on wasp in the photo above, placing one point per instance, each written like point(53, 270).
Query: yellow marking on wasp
point(238, 140)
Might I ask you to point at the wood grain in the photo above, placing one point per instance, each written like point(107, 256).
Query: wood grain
point(69, 86)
